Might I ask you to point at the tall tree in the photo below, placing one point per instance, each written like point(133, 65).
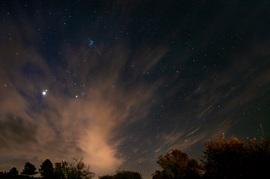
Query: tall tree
point(46, 169)
point(177, 164)
point(29, 169)
point(234, 158)
point(80, 170)
point(61, 170)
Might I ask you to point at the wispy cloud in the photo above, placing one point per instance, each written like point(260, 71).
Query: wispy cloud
point(60, 125)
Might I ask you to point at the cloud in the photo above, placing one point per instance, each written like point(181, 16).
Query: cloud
point(59, 125)
point(15, 131)
point(185, 140)
point(220, 101)
point(62, 126)
point(136, 100)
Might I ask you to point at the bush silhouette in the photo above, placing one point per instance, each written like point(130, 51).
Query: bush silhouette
point(13, 172)
point(123, 174)
point(127, 175)
point(106, 177)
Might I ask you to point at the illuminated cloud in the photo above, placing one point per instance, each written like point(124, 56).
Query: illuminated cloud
point(165, 78)
point(60, 126)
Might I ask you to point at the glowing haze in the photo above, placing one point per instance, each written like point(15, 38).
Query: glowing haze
point(165, 75)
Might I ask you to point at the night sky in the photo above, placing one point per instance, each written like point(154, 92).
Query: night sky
point(121, 82)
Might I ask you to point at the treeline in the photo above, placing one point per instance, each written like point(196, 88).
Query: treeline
point(222, 158)
point(61, 170)
point(233, 158)
point(64, 170)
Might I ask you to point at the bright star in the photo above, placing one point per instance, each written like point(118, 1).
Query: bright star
point(44, 92)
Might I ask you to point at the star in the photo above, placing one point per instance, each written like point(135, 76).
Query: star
point(142, 78)
point(44, 93)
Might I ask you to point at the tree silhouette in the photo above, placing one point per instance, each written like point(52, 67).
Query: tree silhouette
point(80, 170)
point(61, 170)
point(236, 158)
point(46, 169)
point(13, 172)
point(258, 158)
point(177, 164)
point(224, 158)
point(75, 170)
point(29, 169)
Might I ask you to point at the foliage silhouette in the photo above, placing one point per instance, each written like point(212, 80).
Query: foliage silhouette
point(29, 169)
point(236, 158)
point(61, 170)
point(46, 169)
point(80, 170)
point(75, 170)
point(106, 177)
point(127, 175)
point(177, 164)
point(13, 172)
point(222, 158)
point(123, 174)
